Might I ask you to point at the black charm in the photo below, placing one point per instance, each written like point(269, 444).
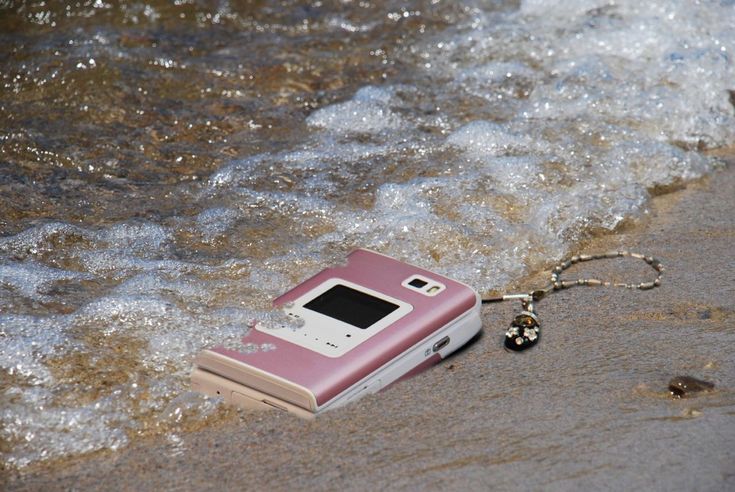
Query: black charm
point(523, 333)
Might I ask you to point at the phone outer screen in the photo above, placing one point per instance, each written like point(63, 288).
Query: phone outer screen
point(351, 306)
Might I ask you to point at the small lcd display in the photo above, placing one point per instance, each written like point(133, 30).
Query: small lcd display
point(351, 306)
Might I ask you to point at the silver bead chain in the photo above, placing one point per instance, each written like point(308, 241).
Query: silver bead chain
point(558, 284)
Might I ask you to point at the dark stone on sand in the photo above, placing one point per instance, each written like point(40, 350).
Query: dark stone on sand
point(687, 386)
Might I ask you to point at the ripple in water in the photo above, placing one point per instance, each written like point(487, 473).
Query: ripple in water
point(489, 143)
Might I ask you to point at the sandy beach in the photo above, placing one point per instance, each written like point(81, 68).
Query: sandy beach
point(574, 413)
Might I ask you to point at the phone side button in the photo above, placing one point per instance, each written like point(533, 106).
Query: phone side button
point(440, 344)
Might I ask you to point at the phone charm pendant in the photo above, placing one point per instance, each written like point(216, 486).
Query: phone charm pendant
point(525, 329)
point(523, 333)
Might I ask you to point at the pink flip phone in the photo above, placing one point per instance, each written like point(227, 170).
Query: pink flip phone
point(365, 325)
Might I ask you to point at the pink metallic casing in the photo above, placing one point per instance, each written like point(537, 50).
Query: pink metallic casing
point(327, 377)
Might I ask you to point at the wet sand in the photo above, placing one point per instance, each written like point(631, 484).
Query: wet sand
point(586, 409)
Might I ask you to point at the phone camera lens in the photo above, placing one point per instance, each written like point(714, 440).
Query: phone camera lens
point(417, 282)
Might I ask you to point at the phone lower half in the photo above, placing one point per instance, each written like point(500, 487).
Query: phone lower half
point(424, 354)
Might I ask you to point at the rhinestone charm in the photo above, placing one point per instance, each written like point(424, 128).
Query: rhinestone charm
point(523, 333)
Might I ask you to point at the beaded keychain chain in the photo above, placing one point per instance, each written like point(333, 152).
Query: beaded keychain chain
point(525, 330)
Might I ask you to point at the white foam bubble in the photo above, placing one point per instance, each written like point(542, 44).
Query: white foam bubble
point(32, 279)
point(229, 174)
point(367, 112)
point(40, 430)
point(482, 139)
point(27, 341)
point(214, 222)
point(45, 238)
point(140, 238)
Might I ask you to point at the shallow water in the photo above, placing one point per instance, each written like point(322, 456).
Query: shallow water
point(167, 169)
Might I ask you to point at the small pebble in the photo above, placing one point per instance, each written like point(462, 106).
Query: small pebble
point(687, 386)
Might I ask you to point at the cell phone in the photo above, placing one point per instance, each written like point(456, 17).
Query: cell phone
point(366, 324)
